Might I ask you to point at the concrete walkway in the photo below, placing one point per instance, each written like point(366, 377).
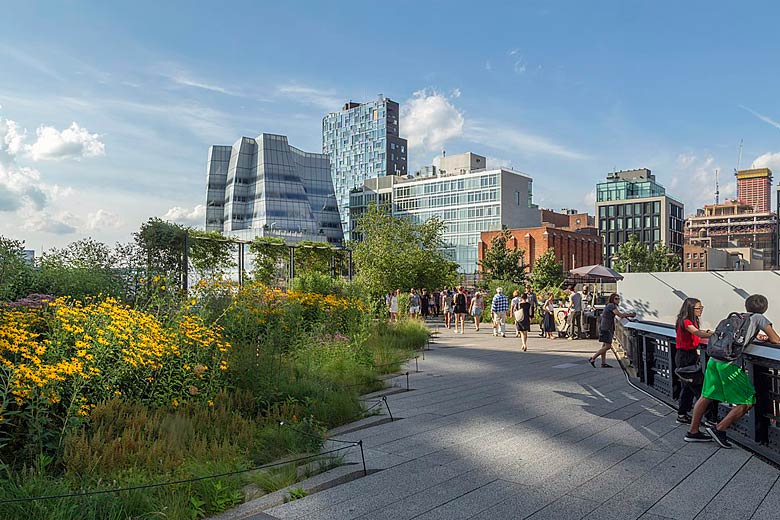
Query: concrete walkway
point(490, 432)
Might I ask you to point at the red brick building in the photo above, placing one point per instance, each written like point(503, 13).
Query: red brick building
point(572, 248)
point(754, 187)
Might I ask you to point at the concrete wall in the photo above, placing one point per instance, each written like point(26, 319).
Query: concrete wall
point(658, 296)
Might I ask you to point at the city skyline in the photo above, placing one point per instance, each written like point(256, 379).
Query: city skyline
point(107, 113)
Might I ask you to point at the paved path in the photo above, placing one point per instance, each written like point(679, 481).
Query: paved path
point(491, 432)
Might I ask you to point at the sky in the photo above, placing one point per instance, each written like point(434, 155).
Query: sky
point(107, 109)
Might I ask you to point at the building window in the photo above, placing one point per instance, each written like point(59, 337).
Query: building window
point(517, 198)
point(687, 265)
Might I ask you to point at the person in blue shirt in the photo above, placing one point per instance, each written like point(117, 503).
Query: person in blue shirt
point(498, 308)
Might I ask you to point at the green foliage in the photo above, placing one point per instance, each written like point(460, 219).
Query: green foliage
point(267, 254)
point(635, 257)
point(295, 494)
point(399, 253)
point(16, 275)
point(210, 252)
point(547, 272)
point(81, 269)
point(314, 282)
point(161, 244)
point(508, 286)
point(316, 257)
point(501, 263)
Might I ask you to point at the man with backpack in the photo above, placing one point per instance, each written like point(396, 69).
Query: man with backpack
point(725, 380)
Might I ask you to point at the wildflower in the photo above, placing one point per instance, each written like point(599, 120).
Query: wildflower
point(193, 390)
point(211, 403)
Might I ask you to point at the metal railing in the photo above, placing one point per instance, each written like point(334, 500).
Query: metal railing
point(651, 349)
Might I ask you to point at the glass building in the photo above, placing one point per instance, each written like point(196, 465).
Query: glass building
point(265, 187)
point(631, 202)
point(468, 202)
point(362, 142)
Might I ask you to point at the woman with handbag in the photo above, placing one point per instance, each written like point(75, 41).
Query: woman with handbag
point(686, 357)
point(522, 314)
point(548, 322)
point(477, 306)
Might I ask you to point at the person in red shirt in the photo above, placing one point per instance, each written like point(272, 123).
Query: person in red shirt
point(687, 342)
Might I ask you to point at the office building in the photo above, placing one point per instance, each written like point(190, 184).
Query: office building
point(734, 223)
point(631, 202)
point(754, 188)
point(697, 258)
point(573, 237)
point(362, 142)
point(467, 201)
point(264, 187)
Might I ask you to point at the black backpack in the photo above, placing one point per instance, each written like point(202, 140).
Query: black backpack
point(730, 337)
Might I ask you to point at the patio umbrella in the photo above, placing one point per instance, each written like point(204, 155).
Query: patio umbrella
point(597, 272)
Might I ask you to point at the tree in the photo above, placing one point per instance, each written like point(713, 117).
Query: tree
point(664, 260)
point(81, 269)
point(16, 273)
point(316, 257)
point(547, 272)
point(267, 254)
point(399, 253)
point(632, 257)
point(501, 263)
point(635, 257)
point(210, 252)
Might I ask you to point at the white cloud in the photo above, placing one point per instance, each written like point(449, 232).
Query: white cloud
point(325, 99)
point(519, 66)
point(513, 140)
point(74, 142)
point(455, 93)
point(102, 219)
point(767, 160)
point(429, 120)
point(184, 80)
point(690, 169)
point(61, 223)
point(590, 200)
point(189, 217)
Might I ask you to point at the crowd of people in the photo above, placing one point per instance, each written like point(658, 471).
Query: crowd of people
point(722, 380)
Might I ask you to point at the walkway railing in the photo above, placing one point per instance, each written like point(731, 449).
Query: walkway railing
point(651, 348)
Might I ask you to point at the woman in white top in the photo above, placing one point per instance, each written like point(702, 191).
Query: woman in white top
point(394, 305)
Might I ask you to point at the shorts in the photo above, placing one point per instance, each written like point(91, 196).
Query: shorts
point(414, 309)
point(727, 383)
point(476, 312)
point(605, 336)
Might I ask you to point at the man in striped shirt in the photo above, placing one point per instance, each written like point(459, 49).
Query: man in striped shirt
point(498, 308)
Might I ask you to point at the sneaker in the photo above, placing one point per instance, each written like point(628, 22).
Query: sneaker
point(683, 418)
point(719, 437)
point(697, 437)
point(503, 335)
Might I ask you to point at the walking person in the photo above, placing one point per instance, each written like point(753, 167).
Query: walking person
point(425, 304)
point(460, 309)
point(548, 321)
point(414, 303)
point(446, 303)
point(726, 381)
point(523, 320)
point(513, 308)
point(607, 329)
point(476, 308)
point(498, 309)
point(575, 313)
point(393, 305)
point(688, 337)
point(436, 302)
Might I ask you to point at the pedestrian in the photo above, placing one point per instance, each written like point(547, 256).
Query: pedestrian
point(435, 302)
point(575, 313)
point(726, 381)
point(393, 306)
point(513, 308)
point(476, 308)
point(688, 337)
point(548, 321)
point(607, 329)
point(460, 308)
point(414, 303)
point(446, 303)
point(498, 309)
point(523, 320)
point(425, 304)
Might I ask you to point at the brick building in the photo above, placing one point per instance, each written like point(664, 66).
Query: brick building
point(754, 188)
point(575, 245)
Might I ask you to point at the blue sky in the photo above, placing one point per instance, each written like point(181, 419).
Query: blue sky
point(107, 109)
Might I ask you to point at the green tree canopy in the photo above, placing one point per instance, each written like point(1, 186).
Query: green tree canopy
point(635, 257)
point(15, 273)
point(267, 254)
point(399, 253)
point(502, 263)
point(547, 272)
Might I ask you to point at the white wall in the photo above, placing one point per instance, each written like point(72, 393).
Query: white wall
point(658, 296)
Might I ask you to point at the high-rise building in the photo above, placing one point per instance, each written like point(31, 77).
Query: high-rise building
point(631, 202)
point(754, 188)
point(362, 142)
point(264, 187)
point(734, 224)
point(468, 201)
